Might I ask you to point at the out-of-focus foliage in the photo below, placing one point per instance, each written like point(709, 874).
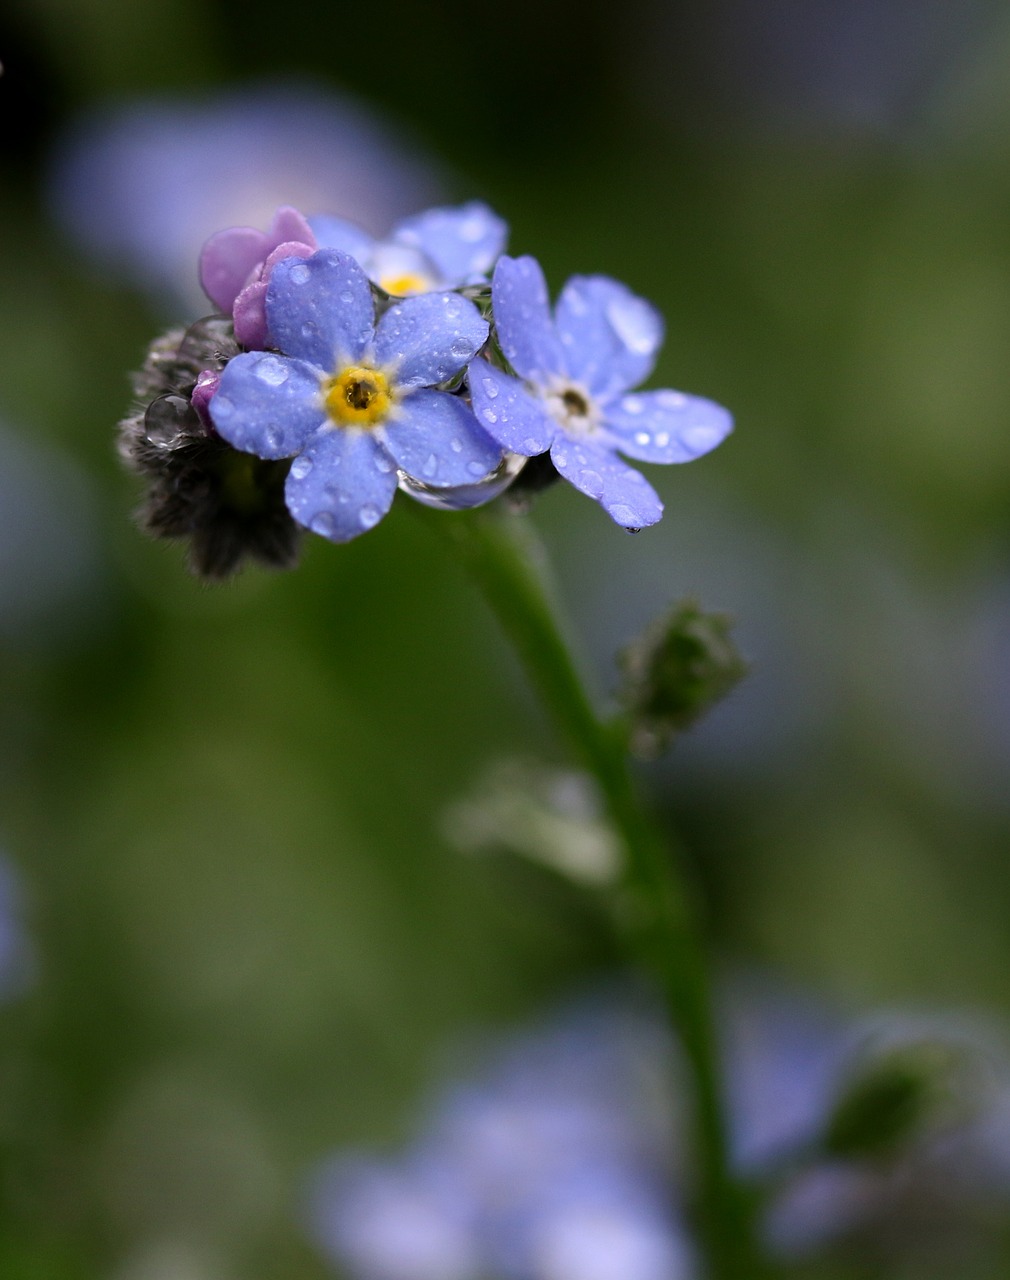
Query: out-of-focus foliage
point(250, 939)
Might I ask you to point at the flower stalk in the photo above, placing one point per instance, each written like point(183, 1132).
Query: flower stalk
point(655, 910)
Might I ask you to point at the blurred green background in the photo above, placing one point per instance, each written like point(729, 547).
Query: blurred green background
point(251, 939)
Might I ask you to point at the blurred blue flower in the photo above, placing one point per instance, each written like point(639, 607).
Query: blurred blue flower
point(574, 370)
point(438, 249)
point(140, 186)
point(355, 422)
point(561, 1160)
point(555, 1166)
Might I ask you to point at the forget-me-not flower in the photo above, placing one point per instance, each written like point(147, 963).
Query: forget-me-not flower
point(354, 401)
point(571, 396)
point(439, 249)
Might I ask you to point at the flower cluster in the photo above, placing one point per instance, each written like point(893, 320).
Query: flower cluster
point(430, 362)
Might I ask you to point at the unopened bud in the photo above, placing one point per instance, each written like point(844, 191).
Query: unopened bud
point(680, 665)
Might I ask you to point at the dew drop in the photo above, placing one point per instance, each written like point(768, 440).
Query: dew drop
point(273, 438)
point(636, 324)
point(490, 388)
point(369, 515)
point(671, 399)
point(383, 464)
point(272, 371)
point(642, 437)
point(624, 515)
point(591, 482)
point(662, 439)
point(476, 469)
point(301, 467)
point(323, 523)
point(430, 466)
point(223, 407)
point(632, 404)
point(347, 297)
point(700, 437)
point(560, 458)
point(452, 307)
point(489, 415)
point(309, 329)
point(456, 444)
point(299, 273)
point(462, 349)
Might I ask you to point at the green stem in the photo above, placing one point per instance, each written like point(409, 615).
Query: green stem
point(658, 916)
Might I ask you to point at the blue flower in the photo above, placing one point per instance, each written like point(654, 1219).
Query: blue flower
point(575, 369)
point(353, 401)
point(438, 249)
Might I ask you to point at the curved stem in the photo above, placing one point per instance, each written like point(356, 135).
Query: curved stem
point(658, 917)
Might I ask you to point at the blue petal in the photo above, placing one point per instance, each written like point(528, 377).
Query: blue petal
point(463, 243)
point(435, 438)
point(522, 315)
point(320, 309)
point(338, 233)
point(507, 411)
point(610, 336)
point(666, 426)
point(428, 338)
point(625, 494)
point(342, 484)
point(267, 404)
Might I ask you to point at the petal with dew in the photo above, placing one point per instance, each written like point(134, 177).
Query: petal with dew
point(429, 338)
point(624, 493)
point(666, 426)
point(507, 411)
point(267, 404)
point(463, 242)
point(434, 437)
point(522, 312)
point(320, 309)
point(342, 484)
point(249, 310)
point(610, 336)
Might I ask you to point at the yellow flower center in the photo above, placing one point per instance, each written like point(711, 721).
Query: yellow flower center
point(358, 397)
point(403, 285)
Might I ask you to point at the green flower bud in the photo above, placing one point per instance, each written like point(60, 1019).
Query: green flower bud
point(680, 665)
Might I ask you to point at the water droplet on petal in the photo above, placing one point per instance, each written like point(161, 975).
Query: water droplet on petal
point(489, 415)
point(624, 515)
point(369, 515)
point(700, 437)
point(456, 444)
point(632, 404)
point(301, 467)
point(636, 324)
point(273, 438)
point(347, 297)
point(560, 458)
point(671, 399)
point(531, 446)
point(309, 329)
point(462, 349)
point(476, 469)
point(323, 523)
point(662, 439)
point(383, 463)
point(591, 483)
point(642, 437)
point(299, 273)
point(490, 388)
point(272, 371)
point(430, 466)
